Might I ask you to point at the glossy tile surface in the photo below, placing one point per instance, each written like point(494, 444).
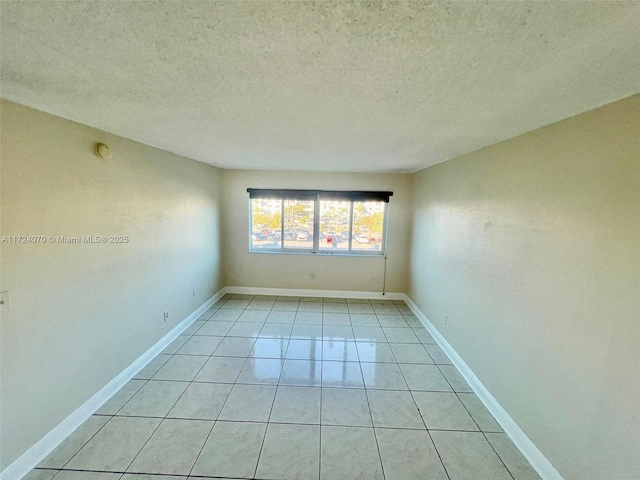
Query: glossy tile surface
point(220, 369)
point(375, 352)
point(200, 345)
point(270, 348)
point(290, 452)
point(341, 374)
point(261, 371)
point(301, 372)
point(154, 399)
point(410, 353)
point(173, 448)
point(202, 401)
point(393, 409)
point(409, 454)
point(384, 376)
point(443, 411)
point(349, 453)
point(425, 377)
point(343, 351)
point(115, 446)
point(296, 405)
point(249, 403)
point(181, 368)
point(293, 388)
point(232, 450)
point(345, 406)
point(468, 456)
point(305, 349)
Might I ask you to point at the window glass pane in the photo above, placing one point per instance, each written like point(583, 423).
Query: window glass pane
point(298, 224)
point(288, 223)
point(334, 225)
point(368, 221)
point(266, 223)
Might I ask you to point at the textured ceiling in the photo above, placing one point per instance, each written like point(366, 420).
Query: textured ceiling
point(336, 86)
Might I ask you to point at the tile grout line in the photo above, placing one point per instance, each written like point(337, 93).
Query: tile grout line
point(264, 438)
point(373, 425)
point(295, 423)
point(255, 472)
point(233, 385)
point(228, 395)
point(366, 395)
point(475, 421)
point(321, 394)
point(422, 418)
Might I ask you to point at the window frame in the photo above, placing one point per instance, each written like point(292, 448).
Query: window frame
point(317, 196)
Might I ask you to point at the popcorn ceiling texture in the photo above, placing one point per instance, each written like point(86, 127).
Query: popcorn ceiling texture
point(333, 86)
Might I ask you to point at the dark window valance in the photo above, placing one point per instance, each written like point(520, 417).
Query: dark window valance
point(348, 195)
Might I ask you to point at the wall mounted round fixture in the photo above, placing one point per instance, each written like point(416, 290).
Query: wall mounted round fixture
point(103, 151)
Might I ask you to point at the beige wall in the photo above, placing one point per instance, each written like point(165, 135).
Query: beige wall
point(81, 313)
point(243, 268)
point(532, 249)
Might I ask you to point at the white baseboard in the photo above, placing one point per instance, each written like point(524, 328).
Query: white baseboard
point(535, 457)
point(38, 452)
point(302, 292)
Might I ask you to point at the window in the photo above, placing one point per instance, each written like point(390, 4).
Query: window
point(317, 221)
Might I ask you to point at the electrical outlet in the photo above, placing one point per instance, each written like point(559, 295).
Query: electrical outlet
point(446, 319)
point(166, 316)
point(194, 292)
point(209, 284)
point(312, 276)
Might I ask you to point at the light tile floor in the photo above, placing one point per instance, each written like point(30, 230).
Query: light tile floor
point(293, 388)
